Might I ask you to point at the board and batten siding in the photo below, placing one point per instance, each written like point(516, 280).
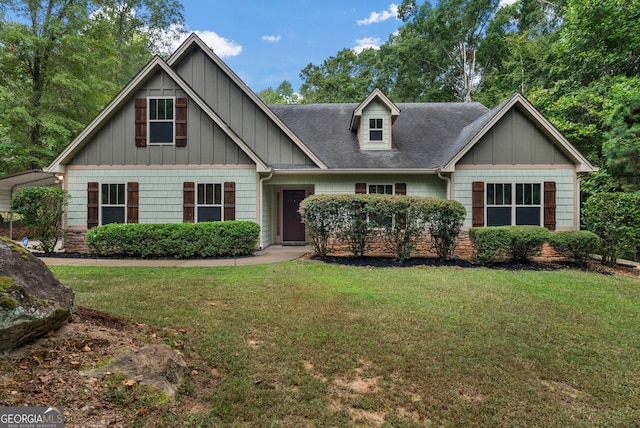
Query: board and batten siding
point(566, 199)
point(515, 140)
point(114, 144)
point(160, 191)
point(238, 110)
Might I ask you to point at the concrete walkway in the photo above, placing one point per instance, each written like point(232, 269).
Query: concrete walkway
point(271, 254)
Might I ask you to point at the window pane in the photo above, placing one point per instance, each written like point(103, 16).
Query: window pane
point(527, 194)
point(200, 194)
point(499, 194)
point(536, 194)
point(218, 195)
point(113, 194)
point(161, 132)
point(375, 135)
point(209, 193)
point(491, 196)
point(372, 123)
point(379, 123)
point(388, 189)
point(209, 214)
point(161, 109)
point(528, 216)
point(153, 109)
point(112, 215)
point(499, 216)
point(507, 194)
point(168, 114)
point(121, 194)
point(519, 194)
point(105, 193)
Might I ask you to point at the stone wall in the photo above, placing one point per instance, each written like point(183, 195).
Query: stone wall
point(74, 241)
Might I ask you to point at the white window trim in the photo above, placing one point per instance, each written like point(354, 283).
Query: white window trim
point(514, 204)
point(381, 129)
point(205, 205)
point(172, 121)
point(101, 205)
point(393, 188)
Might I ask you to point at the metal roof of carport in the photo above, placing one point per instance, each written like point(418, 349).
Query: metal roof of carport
point(10, 183)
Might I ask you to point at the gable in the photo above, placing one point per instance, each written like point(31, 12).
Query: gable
point(515, 140)
point(114, 143)
point(235, 106)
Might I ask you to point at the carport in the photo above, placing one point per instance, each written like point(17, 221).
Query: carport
point(10, 183)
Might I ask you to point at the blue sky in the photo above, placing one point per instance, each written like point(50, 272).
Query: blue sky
point(268, 41)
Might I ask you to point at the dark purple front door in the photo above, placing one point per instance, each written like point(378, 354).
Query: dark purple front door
point(292, 226)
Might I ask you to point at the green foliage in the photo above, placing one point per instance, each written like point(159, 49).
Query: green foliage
point(615, 218)
point(526, 242)
point(398, 221)
point(8, 303)
point(495, 244)
point(575, 245)
point(491, 244)
point(283, 94)
point(42, 209)
point(214, 239)
point(444, 221)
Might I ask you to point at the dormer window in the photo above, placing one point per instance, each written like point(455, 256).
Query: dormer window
point(375, 129)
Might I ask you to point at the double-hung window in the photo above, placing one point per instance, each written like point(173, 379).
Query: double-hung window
point(113, 203)
point(514, 204)
point(375, 129)
point(381, 189)
point(209, 202)
point(161, 120)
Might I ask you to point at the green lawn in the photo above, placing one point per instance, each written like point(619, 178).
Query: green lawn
point(309, 344)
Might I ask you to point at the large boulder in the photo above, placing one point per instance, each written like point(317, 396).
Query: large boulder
point(32, 301)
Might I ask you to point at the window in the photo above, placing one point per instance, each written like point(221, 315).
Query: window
point(514, 204)
point(381, 189)
point(375, 129)
point(113, 203)
point(161, 121)
point(209, 202)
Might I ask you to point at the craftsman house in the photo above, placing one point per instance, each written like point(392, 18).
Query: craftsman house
point(187, 141)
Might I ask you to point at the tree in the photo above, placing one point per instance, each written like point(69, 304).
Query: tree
point(61, 61)
point(42, 209)
point(283, 94)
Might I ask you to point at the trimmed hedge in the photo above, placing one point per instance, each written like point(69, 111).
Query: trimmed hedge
point(519, 243)
point(575, 245)
point(398, 221)
point(209, 239)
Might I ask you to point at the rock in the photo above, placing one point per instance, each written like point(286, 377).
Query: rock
point(158, 366)
point(32, 301)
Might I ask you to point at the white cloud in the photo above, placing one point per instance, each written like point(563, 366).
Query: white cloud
point(274, 39)
point(375, 17)
point(222, 47)
point(506, 2)
point(367, 42)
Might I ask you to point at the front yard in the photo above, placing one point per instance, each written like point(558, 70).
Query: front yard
point(306, 343)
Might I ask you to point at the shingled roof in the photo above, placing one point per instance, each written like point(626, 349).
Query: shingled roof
point(425, 135)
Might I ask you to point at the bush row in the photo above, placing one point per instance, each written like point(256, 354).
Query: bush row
point(398, 221)
point(521, 243)
point(215, 239)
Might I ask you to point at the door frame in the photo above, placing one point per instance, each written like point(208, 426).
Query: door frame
point(278, 218)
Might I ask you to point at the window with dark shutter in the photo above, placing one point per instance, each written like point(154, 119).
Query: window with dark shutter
point(188, 202)
point(141, 122)
point(477, 203)
point(229, 200)
point(401, 188)
point(181, 122)
point(93, 204)
point(132, 202)
point(361, 188)
point(550, 205)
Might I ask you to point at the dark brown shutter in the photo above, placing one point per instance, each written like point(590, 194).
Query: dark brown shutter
point(132, 202)
point(93, 204)
point(550, 205)
point(188, 202)
point(229, 201)
point(401, 188)
point(477, 203)
point(181, 122)
point(361, 188)
point(141, 122)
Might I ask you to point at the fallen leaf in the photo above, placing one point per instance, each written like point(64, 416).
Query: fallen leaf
point(178, 343)
point(75, 363)
point(45, 379)
point(129, 382)
point(143, 411)
point(194, 373)
point(86, 348)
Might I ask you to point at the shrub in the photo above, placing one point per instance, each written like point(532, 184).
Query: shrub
point(323, 216)
point(42, 208)
point(615, 218)
point(356, 230)
point(444, 221)
point(526, 242)
point(491, 244)
point(575, 245)
point(214, 239)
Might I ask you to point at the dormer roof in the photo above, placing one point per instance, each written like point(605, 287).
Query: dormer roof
point(375, 95)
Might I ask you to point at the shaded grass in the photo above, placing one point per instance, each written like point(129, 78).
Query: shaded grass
point(435, 346)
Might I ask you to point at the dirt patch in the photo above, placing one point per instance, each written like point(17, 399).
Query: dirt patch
point(48, 373)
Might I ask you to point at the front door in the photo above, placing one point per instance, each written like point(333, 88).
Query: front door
point(292, 226)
